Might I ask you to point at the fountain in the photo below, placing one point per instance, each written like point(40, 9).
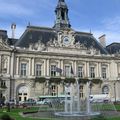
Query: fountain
point(73, 106)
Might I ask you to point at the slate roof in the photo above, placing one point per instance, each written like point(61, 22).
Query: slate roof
point(33, 34)
point(113, 48)
point(11, 41)
point(89, 41)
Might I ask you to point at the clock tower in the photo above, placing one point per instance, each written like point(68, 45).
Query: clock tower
point(62, 20)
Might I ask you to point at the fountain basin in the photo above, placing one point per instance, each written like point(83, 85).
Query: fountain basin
point(76, 114)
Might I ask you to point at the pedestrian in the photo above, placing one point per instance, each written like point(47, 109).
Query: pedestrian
point(8, 106)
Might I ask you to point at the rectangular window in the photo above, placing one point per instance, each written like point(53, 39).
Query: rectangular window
point(19, 93)
point(19, 98)
point(81, 91)
point(53, 94)
point(67, 71)
point(80, 71)
point(53, 70)
point(92, 72)
point(3, 83)
point(53, 87)
point(53, 90)
point(1, 95)
point(38, 70)
point(104, 72)
point(25, 98)
point(23, 69)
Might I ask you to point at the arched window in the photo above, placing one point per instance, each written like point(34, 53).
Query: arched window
point(63, 15)
point(23, 93)
point(105, 89)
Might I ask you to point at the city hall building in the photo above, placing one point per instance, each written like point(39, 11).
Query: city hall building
point(44, 59)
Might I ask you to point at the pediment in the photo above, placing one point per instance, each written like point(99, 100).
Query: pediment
point(4, 46)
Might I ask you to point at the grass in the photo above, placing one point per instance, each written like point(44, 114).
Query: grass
point(14, 113)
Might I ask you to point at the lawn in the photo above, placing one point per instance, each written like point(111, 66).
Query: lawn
point(14, 113)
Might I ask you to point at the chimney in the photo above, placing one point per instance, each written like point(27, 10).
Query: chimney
point(13, 27)
point(102, 40)
point(3, 34)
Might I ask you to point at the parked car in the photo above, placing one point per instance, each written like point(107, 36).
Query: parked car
point(29, 102)
point(11, 102)
point(1, 103)
point(99, 98)
point(41, 102)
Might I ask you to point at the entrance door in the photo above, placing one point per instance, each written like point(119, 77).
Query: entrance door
point(22, 93)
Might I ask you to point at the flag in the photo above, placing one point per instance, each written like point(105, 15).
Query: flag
point(59, 70)
point(72, 70)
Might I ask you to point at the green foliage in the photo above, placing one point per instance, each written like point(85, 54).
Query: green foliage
point(40, 79)
point(15, 114)
point(4, 86)
point(69, 80)
point(85, 80)
point(96, 81)
point(6, 117)
point(55, 80)
point(100, 117)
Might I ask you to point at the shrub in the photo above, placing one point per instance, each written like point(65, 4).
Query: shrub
point(6, 117)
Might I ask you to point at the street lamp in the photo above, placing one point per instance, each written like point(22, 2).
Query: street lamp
point(115, 91)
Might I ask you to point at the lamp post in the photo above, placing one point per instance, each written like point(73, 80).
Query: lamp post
point(115, 91)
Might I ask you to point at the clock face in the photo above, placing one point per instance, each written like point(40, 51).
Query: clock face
point(66, 40)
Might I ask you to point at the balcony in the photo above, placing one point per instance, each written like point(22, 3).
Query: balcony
point(3, 87)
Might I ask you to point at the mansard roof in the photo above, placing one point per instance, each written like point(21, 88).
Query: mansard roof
point(33, 34)
point(113, 48)
point(89, 41)
point(44, 34)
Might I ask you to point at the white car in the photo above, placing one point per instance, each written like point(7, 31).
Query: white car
point(39, 102)
point(99, 98)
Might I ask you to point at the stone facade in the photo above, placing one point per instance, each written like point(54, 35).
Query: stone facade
point(27, 72)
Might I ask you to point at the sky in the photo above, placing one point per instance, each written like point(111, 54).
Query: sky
point(98, 16)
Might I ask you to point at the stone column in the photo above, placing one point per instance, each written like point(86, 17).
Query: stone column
point(48, 67)
point(59, 65)
point(12, 81)
point(75, 69)
point(29, 66)
point(45, 68)
point(0, 63)
point(33, 66)
point(100, 70)
point(12, 65)
point(72, 65)
point(87, 69)
point(8, 65)
point(62, 67)
point(108, 71)
point(97, 70)
point(118, 69)
point(17, 66)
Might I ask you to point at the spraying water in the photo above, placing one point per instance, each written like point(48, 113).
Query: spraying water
point(73, 104)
